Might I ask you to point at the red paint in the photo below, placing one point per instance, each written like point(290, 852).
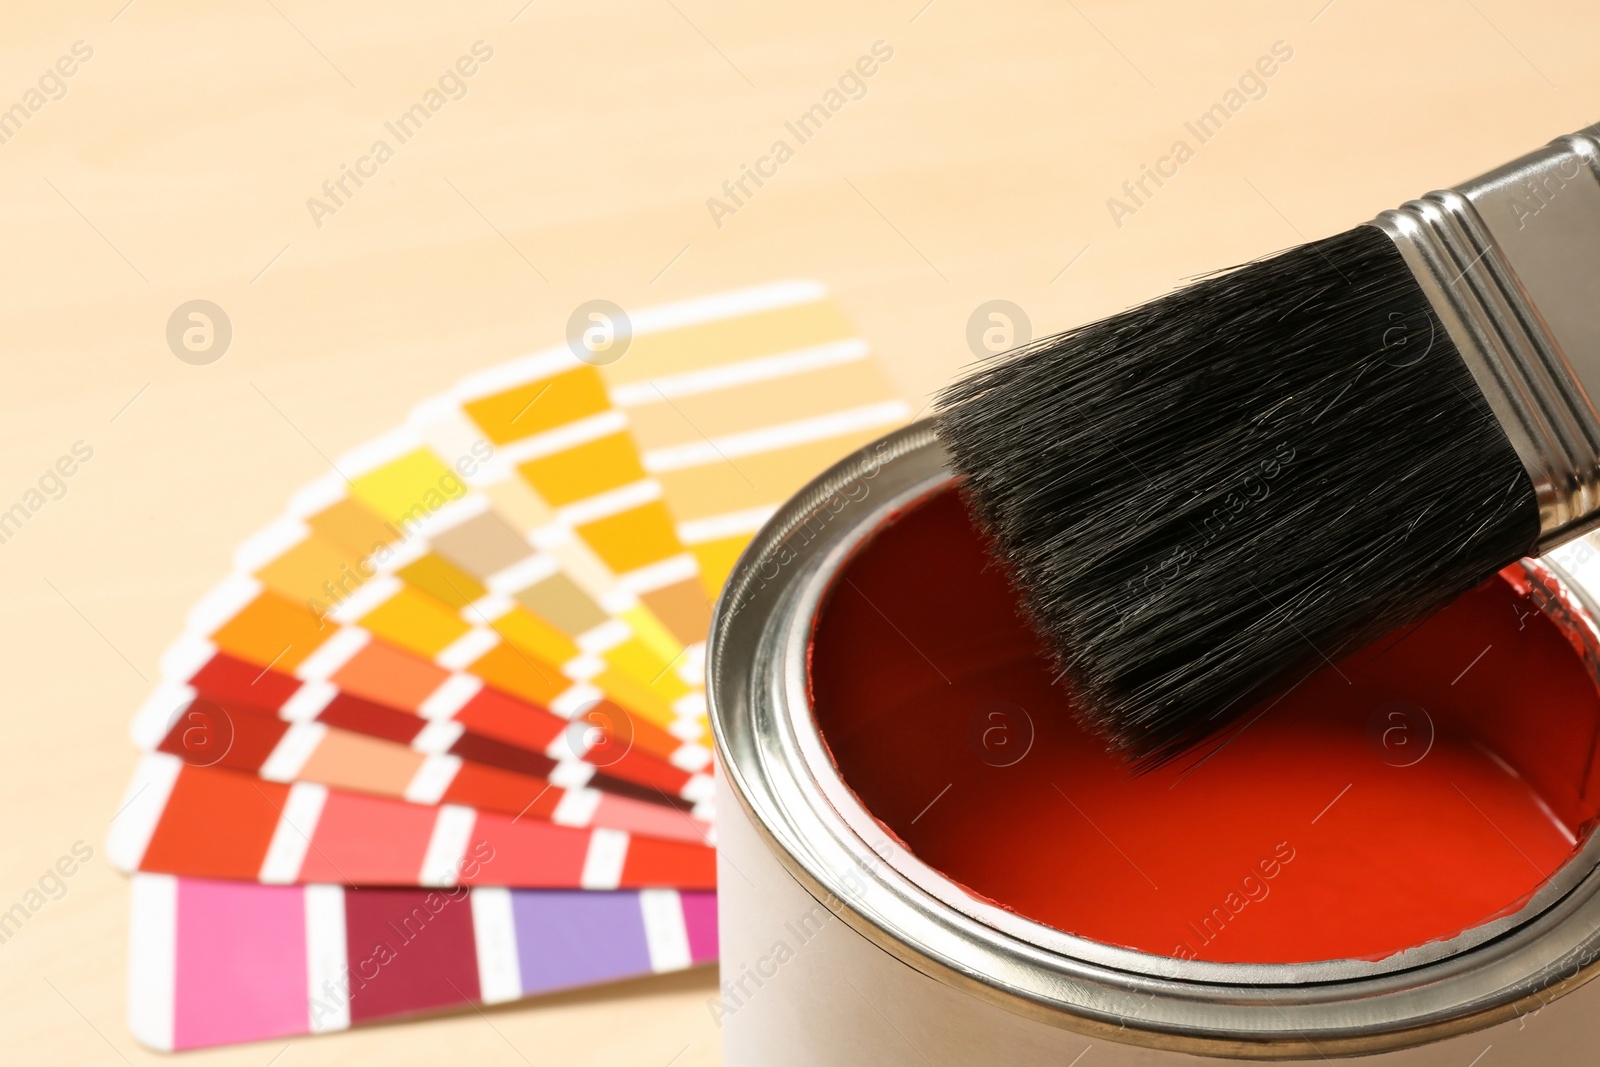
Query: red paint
point(1260, 854)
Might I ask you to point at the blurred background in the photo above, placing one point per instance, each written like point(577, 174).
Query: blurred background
point(158, 152)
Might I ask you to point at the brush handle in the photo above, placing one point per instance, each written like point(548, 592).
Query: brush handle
point(1510, 262)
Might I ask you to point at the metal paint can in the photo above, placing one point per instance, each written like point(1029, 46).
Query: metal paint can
point(840, 947)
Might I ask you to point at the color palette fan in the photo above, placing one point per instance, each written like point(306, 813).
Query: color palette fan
point(440, 739)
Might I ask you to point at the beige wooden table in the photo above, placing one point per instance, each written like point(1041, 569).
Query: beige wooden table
point(976, 163)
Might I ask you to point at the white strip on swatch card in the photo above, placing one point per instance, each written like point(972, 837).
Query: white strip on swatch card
point(690, 725)
point(494, 933)
point(771, 438)
point(308, 701)
point(673, 569)
point(690, 706)
point(584, 668)
point(140, 811)
point(451, 696)
point(602, 864)
point(584, 566)
point(666, 935)
point(184, 657)
point(225, 600)
point(706, 812)
point(440, 421)
point(432, 779)
point(571, 741)
point(730, 524)
point(493, 472)
point(573, 699)
point(744, 372)
point(557, 547)
point(488, 608)
point(548, 362)
point(437, 737)
point(447, 845)
point(530, 570)
point(687, 730)
point(385, 448)
point(604, 636)
point(152, 959)
point(398, 554)
point(381, 587)
point(472, 645)
point(692, 668)
point(569, 773)
point(566, 437)
point(159, 713)
point(467, 649)
point(560, 541)
point(373, 593)
point(327, 959)
point(699, 787)
point(691, 757)
point(318, 495)
point(288, 757)
point(576, 807)
point(452, 514)
point(524, 370)
point(325, 661)
point(726, 305)
point(609, 503)
point(291, 838)
point(269, 543)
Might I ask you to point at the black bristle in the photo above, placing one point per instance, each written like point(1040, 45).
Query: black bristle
point(1207, 497)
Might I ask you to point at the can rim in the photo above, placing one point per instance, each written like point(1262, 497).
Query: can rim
point(770, 750)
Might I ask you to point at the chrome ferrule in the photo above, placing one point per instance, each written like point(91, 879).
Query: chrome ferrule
point(1510, 262)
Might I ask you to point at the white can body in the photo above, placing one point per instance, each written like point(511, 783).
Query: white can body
point(800, 988)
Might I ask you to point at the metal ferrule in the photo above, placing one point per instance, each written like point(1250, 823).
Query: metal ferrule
point(1511, 264)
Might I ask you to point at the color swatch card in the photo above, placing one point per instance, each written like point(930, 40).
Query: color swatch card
point(737, 401)
point(368, 686)
point(496, 777)
point(566, 473)
point(216, 823)
point(471, 655)
point(214, 962)
point(425, 588)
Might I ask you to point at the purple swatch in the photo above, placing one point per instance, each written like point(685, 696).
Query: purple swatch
point(568, 938)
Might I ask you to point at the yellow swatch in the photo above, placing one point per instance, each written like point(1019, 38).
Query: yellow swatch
point(585, 470)
point(407, 490)
point(272, 630)
point(537, 406)
point(415, 621)
point(634, 538)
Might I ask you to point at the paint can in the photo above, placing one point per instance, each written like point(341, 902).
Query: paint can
point(842, 947)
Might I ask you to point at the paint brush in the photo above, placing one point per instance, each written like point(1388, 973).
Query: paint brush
point(1208, 497)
